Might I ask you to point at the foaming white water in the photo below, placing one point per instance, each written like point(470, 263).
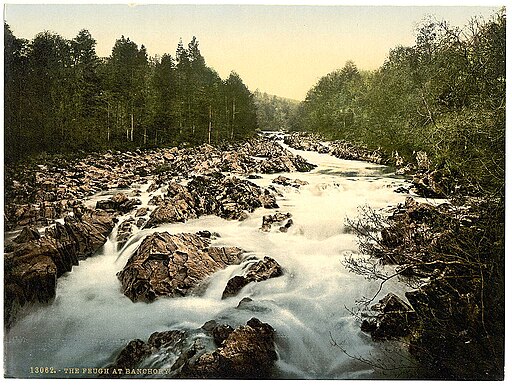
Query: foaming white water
point(90, 318)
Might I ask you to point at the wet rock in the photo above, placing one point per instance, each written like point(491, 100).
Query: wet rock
point(27, 234)
point(131, 355)
point(165, 338)
point(285, 181)
point(393, 318)
point(246, 352)
point(207, 234)
point(278, 217)
point(32, 268)
point(249, 351)
point(141, 212)
point(172, 265)
point(118, 202)
point(125, 230)
point(220, 332)
point(258, 271)
point(285, 163)
point(286, 226)
point(226, 197)
point(156, 200)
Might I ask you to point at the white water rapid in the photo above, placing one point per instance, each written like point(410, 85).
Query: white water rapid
point(90, 319)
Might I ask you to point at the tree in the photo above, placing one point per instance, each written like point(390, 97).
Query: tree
point(16, 134)
point(240, 109)
point(127, 70)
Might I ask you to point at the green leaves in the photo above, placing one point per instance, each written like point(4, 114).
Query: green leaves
point(60, 97)
point(445, 95)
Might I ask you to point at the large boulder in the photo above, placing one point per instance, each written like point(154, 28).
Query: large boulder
point(172, 265)
point(216, 351)
point(247, 353)
point(32, 267)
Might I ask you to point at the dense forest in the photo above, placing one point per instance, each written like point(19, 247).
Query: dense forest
point(61, 97)
point(445, 96)
point(273, 112)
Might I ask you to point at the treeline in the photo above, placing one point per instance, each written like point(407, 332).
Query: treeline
point(61, 97)
point(273, 112)
point(445, 96)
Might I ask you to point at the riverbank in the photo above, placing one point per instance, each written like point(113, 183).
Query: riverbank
point(452, 256)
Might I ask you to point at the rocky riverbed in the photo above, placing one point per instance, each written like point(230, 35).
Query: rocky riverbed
point(129, 206)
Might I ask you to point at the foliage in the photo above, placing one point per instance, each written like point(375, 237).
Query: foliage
point(61, 97)
point(445, 96)
point(444, 99)
point(274, 113)
point(453, 258)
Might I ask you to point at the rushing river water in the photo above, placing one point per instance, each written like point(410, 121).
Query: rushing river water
point(90, 318)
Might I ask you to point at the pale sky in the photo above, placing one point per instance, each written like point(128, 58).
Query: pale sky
point(282, 50)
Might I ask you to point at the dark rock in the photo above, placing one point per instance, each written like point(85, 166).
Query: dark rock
point(27, 234)
point(131, 355)
point(285, 181)
point(125, 230)
point(220, 332)
point(393, 319)
point(226, 197)
point(249, 351)
point(141, 212)
point(279, 218)
point(166, 338)
point(258, 271)
point(246, 352)
point(172, 265)
point(208, 234)
point(32, 269)
point(118, 202)
point(286, 226)
point(245, 300)
point(286, 163)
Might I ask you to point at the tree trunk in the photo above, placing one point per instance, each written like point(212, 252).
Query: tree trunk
point(210, 127)
point(131, 131)
point(108, 121)
point(233, 121)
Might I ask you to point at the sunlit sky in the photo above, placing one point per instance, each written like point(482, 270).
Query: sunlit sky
point(279, 49)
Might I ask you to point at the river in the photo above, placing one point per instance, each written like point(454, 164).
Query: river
point(90, 318)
